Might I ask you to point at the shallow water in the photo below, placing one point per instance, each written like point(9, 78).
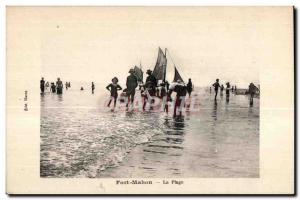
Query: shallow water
point(80, 137)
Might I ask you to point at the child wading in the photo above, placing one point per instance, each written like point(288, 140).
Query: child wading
point(113, 88)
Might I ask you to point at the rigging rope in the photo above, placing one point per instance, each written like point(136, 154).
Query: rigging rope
point(172, 59)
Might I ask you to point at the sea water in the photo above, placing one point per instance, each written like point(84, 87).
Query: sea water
point(81, 137)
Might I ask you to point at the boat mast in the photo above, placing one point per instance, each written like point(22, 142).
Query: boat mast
point(165, 67)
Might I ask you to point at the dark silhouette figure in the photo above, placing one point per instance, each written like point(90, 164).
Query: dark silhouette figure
point(53, 88)
point(42, 85)
point(131, 84)
point(59, 86)
point(150, 86)
point(227, 91)
point(189, 87)
point(216, 85)
point(93, 87)
point(151, 83)
point(252, 90)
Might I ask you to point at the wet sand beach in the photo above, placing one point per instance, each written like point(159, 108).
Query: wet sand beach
point(80, 137)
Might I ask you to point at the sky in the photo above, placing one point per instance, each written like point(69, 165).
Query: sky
point(97, 44)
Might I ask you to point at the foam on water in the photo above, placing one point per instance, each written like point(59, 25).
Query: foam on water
point(82, 138)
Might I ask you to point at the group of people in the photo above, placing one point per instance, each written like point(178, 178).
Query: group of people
point(252, 90)
point(151, 88)
point(54, 87)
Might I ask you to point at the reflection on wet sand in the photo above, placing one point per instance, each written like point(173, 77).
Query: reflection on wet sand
point(221, 140)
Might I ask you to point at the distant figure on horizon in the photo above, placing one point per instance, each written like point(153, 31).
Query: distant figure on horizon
point(227, 91)
point(114, 87)
point(59, 86)
point(189, 87)
point(93, 87)
point(66, 85)
point(53, 88)
point(216, 86)
point(181, 91)
point(81, 88)
point(232, 89)
point(131, 84)
point(235, 88)
point(252, 90)
point(209, 89)
point(42, 85)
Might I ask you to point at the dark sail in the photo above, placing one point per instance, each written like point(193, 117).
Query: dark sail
point(177, 76)
point(138, 73)
point(160, 67)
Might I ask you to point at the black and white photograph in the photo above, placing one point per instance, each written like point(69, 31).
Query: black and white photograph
point(151, 95)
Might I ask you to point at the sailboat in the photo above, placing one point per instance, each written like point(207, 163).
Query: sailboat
point(138, 72)
point(160, 68)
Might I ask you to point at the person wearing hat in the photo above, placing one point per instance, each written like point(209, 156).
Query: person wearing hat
point(216, 85)
point(131, 84)
point(151, 83)
point(114, 87)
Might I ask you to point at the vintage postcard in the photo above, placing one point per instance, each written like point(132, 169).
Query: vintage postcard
point(150, 100)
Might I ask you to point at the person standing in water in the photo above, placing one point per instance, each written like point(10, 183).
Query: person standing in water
point(114, 87)
point(131, 84)
point(227, 91)
point(93, 87)
point(53, 88)
point(189, 87)
point(150, 88)
point(42, 85)
point(252, 90)
point(59, 86)
point(216, 85)
point(151, 83)
point(181, 91)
